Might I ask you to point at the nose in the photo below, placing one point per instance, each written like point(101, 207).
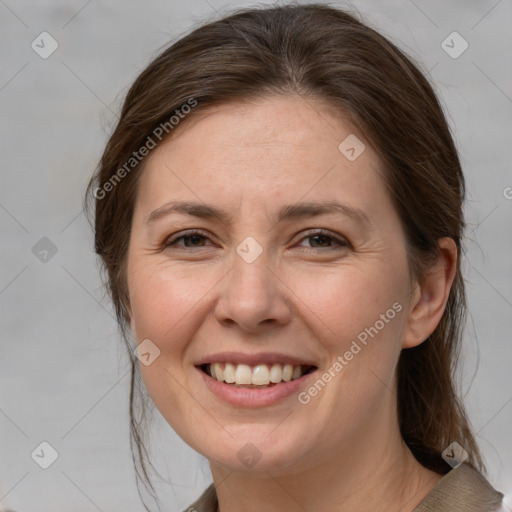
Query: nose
point(253, 297)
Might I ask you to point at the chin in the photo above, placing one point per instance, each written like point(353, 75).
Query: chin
point(258, 454)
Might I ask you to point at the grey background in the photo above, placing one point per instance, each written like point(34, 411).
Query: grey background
point(62, 368)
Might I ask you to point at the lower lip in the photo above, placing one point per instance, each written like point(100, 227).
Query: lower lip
point(247, 397)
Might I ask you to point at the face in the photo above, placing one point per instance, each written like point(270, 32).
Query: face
point(254, 275)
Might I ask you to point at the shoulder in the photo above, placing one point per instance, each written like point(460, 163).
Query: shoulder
point(462, 489)
point(207, 502)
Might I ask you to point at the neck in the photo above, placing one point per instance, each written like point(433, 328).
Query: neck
point(379, 475)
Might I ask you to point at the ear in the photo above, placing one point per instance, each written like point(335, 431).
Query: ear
point(429, 297)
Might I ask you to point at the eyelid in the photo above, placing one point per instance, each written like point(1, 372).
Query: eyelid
point(339, 239)
point(177, 236)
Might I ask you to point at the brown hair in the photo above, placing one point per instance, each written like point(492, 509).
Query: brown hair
point(321, 52)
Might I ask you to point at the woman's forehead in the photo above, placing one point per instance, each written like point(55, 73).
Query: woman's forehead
point(279, 142)
point(210, 163)
point(268, 120)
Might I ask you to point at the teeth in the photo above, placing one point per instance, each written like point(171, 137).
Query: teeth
point(229, 373)
point(287, 372)
point(242, 374)
point(297, 372)
point(259, 375)
point(276, 372)
point(218, 372)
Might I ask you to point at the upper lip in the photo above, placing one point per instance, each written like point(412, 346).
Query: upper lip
point(253, 359)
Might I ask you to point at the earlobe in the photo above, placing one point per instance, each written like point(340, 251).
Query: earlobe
point(429, 297)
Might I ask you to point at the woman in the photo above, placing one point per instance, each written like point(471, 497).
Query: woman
point(279, 212)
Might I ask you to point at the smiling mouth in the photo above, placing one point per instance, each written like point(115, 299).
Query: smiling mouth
point(258, 376)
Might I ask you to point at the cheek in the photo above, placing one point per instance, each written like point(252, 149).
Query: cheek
point(347, 300)
point(359, 316)
point(161, 300)
point(164, 306)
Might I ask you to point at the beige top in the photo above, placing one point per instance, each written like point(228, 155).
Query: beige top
point(461, 490)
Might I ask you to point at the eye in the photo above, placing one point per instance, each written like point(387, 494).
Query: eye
point(191, 239)
point(324, 239)
point(321, 240)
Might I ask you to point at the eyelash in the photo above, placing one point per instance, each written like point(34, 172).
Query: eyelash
point(310, 234)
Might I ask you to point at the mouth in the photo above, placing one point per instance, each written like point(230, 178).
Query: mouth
point(259, 376)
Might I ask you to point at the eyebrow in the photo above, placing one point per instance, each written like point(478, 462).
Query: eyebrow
point(293, 211)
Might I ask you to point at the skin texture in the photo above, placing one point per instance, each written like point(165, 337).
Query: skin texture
point(304, 296)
